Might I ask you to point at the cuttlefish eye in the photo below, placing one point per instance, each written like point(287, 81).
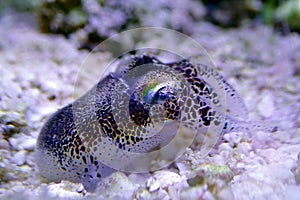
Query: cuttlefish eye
point(163, 94)
point(157, 93)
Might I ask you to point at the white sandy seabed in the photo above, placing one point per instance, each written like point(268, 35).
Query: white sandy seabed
point(39, 74)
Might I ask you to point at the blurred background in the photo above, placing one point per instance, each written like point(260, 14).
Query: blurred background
point(92, 21)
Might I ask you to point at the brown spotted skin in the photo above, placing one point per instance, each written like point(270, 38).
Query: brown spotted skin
point(68, 145)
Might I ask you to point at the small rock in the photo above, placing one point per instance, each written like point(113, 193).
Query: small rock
point(244, 148)
point(210, 170)
point(19, 158)
point(22, 142)
point(266, 106)
point(166, 178)
point(116, 185)
point(145, 194)
point(152, 184)
point(13, 143)
point(30, 159)
point(18, 187)
point(51, 86)
point(28, 144)
point(24, 169)
point(64, 190)
point(4, 144)
point(46, 111)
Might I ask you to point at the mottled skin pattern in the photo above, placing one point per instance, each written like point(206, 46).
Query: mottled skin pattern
point(68, 145)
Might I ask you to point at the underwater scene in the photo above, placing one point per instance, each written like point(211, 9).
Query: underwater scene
point(140, 99)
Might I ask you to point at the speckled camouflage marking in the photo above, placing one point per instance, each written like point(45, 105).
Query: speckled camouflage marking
point(69, 147)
